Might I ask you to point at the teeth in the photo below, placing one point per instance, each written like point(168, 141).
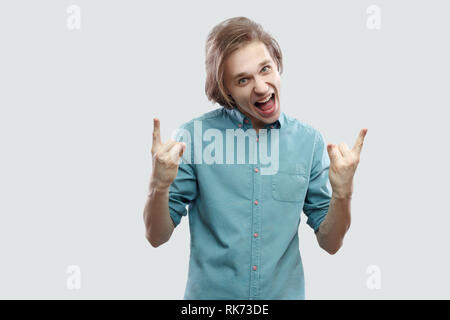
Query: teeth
point(265, 100)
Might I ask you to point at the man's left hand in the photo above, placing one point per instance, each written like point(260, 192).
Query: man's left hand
point(343, 164)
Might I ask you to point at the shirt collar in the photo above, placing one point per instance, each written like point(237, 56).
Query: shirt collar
point(243, 121)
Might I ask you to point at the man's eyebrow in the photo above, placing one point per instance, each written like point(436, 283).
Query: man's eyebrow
point(244, 73)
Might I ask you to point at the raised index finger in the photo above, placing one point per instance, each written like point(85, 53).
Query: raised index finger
point(156, 135)
point(359, 141)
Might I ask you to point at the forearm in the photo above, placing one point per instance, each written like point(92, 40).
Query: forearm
point(158, 223)
point(335, 225)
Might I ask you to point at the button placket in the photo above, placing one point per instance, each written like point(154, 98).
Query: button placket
point(256, 226)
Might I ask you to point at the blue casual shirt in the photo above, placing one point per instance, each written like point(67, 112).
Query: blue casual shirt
point(243, 223)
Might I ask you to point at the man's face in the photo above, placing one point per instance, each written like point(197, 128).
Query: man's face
point(251, 76)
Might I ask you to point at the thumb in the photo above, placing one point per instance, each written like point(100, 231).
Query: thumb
point(183, 147)
point(176, 152)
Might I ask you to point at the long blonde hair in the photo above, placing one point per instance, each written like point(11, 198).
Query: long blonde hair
point(224, 39)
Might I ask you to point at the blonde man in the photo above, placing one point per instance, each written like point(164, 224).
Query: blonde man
point(244, 220)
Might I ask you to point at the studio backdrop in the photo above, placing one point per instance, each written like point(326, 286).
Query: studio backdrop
point(80, 84)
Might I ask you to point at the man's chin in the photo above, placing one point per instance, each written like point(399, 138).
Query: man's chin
point(261, 119)
point(272, 118)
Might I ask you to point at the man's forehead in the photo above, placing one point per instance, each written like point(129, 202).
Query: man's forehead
point(245, 59)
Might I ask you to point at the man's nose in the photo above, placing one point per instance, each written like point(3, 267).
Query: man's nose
point(260, 86)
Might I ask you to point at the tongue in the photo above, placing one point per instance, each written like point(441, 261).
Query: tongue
point(267, 105)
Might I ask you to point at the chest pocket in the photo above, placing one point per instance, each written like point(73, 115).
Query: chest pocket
point(290, 183)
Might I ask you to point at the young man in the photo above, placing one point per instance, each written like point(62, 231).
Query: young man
point(244, 221)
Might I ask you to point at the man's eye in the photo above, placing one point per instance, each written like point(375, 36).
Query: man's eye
point(266, 67)
point(240, 81)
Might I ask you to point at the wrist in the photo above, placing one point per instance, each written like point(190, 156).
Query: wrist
point(341, 196)
point(156, 186)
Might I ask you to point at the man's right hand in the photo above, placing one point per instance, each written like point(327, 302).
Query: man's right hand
point(166, 158)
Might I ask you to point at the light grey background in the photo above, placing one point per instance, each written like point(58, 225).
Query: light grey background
point(76, 110)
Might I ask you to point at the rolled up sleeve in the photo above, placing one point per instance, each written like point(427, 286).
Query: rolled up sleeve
point(318, 196)
point(182, 192)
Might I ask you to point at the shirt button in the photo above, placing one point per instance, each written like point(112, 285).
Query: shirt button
point(256, 202)
point(257, 139)
point(239, 125)
point(256, 170)
point(271, 126)
point(254, 268)
point(255, 235)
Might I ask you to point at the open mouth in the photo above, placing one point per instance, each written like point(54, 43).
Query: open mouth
point(266, 105)
point(267, 108)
